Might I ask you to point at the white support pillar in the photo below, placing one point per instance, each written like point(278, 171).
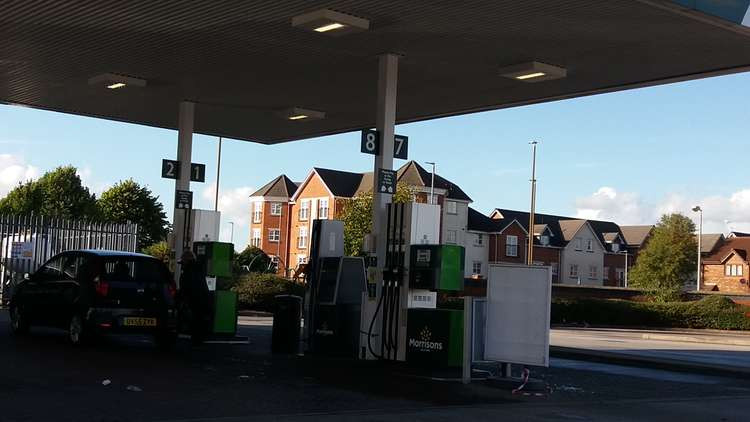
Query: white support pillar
point(385, 121)
point(184, 156)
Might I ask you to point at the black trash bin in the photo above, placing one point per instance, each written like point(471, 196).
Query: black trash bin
point(287, 320)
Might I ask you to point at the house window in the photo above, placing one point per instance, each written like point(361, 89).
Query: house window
point(579, 244)
point(304, 210)
point(480, 239)
point(451, 237)
point(257, 211)
point(255, 240)
point(476, 267)
point(511, 245)
point(592, 272)
point(450, 207)
point(733, 270)
point(615, 247)
point(302, 239)
point(574, 270)
point(589, 245)
point(273, 235)
point(544, 240)
point(620, 274)
point(301, 259)
point(605, 274)
point(555, 268)
point(276, 208)
point(323, 209)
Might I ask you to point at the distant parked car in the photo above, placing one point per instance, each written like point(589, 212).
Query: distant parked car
point(91, 292)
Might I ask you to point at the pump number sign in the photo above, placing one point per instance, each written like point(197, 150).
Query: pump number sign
point(170, 169)
point(371, 144)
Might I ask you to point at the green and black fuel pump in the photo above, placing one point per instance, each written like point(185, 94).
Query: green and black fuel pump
point(435, 334)
point(216, 261)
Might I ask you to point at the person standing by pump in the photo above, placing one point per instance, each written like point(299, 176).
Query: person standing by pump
point(194, 293)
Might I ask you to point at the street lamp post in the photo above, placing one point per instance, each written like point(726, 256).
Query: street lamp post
point(698, 209)
point(432, 182)
point(626, 268)
point(530, 251)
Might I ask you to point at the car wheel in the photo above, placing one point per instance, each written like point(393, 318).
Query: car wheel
point(18, 322)
point(76, 331)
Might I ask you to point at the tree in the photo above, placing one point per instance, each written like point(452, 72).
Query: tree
point(357, 217)
point(59, 193)
point(65, 196)
point(26, 198)
point(159, 250)
point(252, 259)
point(128, 201)
point(669, 259)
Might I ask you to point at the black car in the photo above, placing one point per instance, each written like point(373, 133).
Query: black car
point(92, 292)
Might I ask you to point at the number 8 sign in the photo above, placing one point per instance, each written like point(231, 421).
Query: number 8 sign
point(370, 142)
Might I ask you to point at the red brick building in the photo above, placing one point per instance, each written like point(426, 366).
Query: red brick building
point(727, 269)
point(270, 219)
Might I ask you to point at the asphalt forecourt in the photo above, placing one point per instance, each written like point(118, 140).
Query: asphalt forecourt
point(126, 378)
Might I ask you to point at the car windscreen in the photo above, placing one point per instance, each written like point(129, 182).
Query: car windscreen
point(135, 269)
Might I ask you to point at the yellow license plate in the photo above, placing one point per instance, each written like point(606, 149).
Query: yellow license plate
point(139, 322)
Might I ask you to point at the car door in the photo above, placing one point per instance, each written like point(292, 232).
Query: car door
point(38, 292)
point(67, 289)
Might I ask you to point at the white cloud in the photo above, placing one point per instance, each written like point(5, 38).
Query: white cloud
point(95, 187)
point(720, 213)
point(608, 204)
point(13, 170)
point(235, 207)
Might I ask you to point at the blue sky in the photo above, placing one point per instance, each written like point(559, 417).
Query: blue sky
point(626, 156)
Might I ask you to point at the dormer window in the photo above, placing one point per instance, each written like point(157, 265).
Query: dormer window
point(615, 247)
point(544, 239)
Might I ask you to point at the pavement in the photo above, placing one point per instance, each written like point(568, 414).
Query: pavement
point(711, 351)
point(44, 379)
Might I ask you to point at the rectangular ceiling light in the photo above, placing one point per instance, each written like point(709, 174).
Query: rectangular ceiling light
point(114, 81)
point(331, 22)
point(301, 114)
point(533, 72)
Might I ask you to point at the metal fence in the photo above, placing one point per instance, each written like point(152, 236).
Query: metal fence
point(27, 242)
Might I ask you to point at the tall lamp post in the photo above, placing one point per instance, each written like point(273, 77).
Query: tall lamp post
point(698, 209)
point(530, 252)
point(432, 182)
point(625, 252)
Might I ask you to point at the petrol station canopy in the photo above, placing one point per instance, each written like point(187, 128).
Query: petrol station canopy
point(248, 64)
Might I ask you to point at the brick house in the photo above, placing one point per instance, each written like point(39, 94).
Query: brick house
point(320, 196)
point(588, 252)
point(270, 217)
point(323, 193)
point(726, 269)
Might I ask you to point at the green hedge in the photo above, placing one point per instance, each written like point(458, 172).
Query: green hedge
point(256, 291)
point(713, 312)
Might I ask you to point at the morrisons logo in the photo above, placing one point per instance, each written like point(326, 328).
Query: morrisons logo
point(424, 342)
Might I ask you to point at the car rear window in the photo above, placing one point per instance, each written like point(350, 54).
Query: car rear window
point(136, 269)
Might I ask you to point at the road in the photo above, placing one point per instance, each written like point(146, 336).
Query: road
point(706, 349)
point(44, 379)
